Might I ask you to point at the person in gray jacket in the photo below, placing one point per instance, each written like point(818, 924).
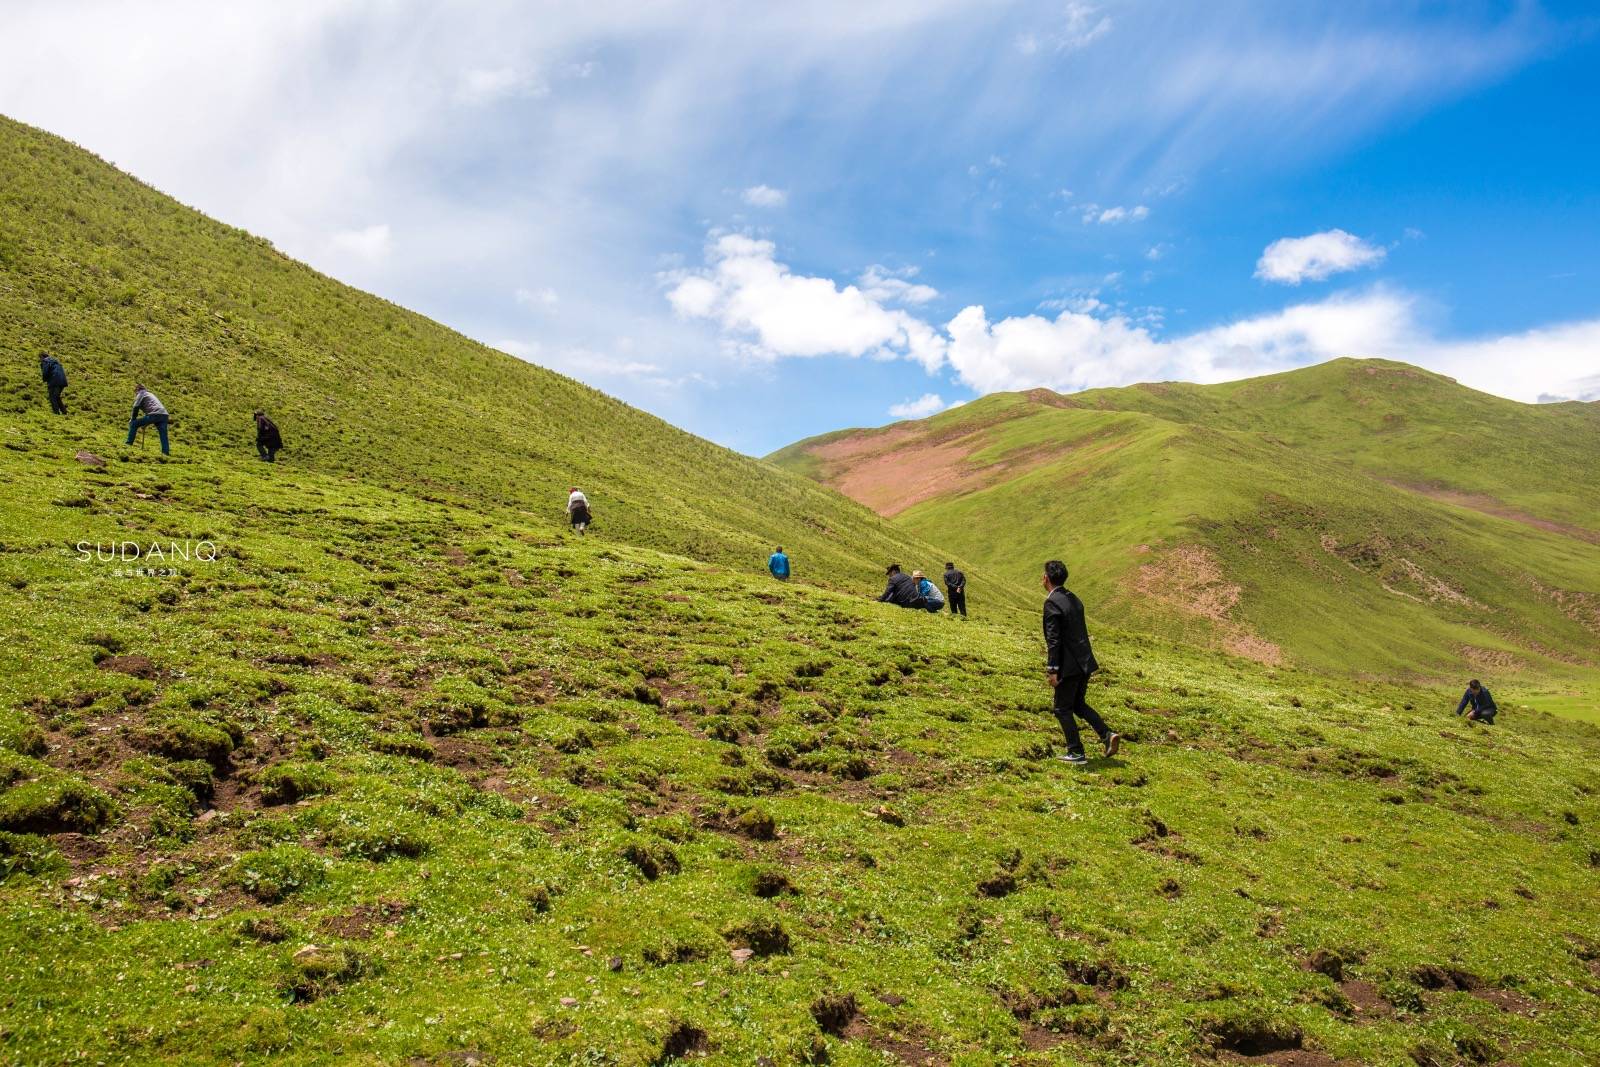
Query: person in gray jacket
point(153, 414)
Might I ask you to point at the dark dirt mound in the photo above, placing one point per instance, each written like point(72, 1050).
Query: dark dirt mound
point(685, 1039)
point(1365, 1000)
point(136, 666)
point(1252, 1037)
point(834, 1012)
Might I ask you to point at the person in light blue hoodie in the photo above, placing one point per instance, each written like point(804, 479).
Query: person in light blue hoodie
point(778, 564)
point(932, 599)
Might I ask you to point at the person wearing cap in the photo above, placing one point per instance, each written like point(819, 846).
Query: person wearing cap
point(932, 599)
point(901, 590)
point(154, 413)
point(268, 439)
point(578, 510)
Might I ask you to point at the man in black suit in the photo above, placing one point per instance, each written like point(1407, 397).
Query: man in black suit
point(901, 591)
point(1069, 661)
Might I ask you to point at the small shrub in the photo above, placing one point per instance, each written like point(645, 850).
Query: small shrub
point(315, 971)
point(272, 874)
point(27, 854)
point(285, 783)
point(55, 804)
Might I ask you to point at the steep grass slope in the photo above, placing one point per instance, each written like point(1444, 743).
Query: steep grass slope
point(400, 780)
point(125, 284)
point(1359, 515)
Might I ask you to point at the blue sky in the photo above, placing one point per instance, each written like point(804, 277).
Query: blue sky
point(767, 221)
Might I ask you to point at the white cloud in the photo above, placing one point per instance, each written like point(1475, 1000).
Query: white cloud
point(541, 297)
point(920, 408)
point(765, 196)
point(1081, 25)
point(895, 286)
point(1079, 350)
point(481, 86)
point(1157, 251)
point(1112, 215)
point(778, 313)
point(371, 243)
point(1293, 260)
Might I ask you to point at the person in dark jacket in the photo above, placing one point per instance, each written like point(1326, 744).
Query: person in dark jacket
point(1068, 663)
point(901, 590)
point(268, 439)
point(55, 380)
point(154, 414)
point(1482, 705)
point(778, 564)
point(955, 586)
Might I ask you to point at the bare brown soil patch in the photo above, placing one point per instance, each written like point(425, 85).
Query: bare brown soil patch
point(135, 666)
point(1488, 505)
point(1297, 1057)
point(893, 471)
point(1189, 580)
point(1365, 1001)
point(904, 1048)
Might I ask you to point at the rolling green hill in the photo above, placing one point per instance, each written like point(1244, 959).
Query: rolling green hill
point(403, 773)
point(1359, 515)
point(126, 285)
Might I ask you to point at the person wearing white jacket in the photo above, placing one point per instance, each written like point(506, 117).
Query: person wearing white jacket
point(578, 510)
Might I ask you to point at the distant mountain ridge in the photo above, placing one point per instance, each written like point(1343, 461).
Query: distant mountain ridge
point(1361, 514)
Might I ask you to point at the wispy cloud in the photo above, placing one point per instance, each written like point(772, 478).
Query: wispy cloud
point(480, 86)
point(373, 242)
point(765, 196)
point(895, 286)
point(1292, 260)
point(920, 408)
point(1094, 213)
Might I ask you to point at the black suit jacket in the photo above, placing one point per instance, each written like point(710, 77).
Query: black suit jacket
point(1066, 636)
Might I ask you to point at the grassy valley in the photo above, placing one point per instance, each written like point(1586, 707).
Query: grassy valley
point(407, 773)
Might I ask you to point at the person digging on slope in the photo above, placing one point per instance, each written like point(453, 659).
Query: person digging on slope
point(1482, 705)
point(268, 439)
point(778, 564)
point(901, 590)
point(578, 510)
point(55, 380)
point(932, 599)
point(1068, 662)
point(155, 414)
point(955, 584)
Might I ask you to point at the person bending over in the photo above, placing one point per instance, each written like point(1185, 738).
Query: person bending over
point(154, 414)
point(901, 590)
point(1478, 704)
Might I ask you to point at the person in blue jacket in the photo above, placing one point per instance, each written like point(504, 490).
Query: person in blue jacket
point(932, 599)
point(778, 564)
point(55, 380)
point(1482, 705)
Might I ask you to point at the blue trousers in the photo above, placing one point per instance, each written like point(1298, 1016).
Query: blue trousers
point(158, 421)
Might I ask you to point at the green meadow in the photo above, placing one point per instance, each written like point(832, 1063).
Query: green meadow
point(393, 768)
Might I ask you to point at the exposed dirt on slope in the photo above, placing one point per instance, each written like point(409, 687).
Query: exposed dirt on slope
point(1188, 579)
point(1488, 505)
point(894, 471)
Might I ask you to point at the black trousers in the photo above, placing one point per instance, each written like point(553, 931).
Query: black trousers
point(958, 601)
point(267, 452)
point(56, 405)
point(1070, 706)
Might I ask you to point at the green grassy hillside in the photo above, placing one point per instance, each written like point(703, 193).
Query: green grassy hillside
point(1359, 515)
point(399, 780)
point(403, 773)
point(125, 284)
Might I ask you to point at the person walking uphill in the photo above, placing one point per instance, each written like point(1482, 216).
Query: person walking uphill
point(778, 564)
point(1069, 661)
point(55, 380)
point(578, 510)
point(901, 590)
point(268, 439)
point(955, 584)
point(1482, 704)
point(154, 415)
